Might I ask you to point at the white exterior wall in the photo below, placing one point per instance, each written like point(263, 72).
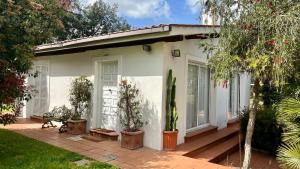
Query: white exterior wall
point(149, 70)
point(190, 51)
point(245, 90)
point(143, 68)
point(218, 95)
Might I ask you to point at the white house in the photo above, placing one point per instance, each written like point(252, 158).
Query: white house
point(144, 57)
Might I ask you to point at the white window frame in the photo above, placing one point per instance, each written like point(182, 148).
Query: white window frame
point(233, 98)
point(199, 62)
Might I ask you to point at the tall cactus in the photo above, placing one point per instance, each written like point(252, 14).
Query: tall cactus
point(171, 113)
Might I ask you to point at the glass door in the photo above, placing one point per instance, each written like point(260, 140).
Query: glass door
point(197, 96)
point(233, 98)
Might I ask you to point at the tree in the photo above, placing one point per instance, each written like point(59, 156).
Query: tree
point(260, 37)
point(22, 27)
point(95, 19)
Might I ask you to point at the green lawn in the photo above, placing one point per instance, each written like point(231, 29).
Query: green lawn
point(20, 152)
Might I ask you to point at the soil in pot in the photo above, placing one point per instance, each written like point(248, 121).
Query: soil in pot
point(132, 140)
point(76, 126)
point(170, 140)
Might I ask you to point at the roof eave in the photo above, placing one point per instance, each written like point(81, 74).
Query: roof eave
point(116, 35)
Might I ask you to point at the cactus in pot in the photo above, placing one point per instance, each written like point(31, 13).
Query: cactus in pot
point(170, 133)
point(171, 113)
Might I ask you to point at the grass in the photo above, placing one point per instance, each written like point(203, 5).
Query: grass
point(20, 152)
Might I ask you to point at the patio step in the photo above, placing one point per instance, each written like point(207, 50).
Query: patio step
point(233, 123)
point(194, 148)
point(191, 136)
point(219, 151)
point(36, 118)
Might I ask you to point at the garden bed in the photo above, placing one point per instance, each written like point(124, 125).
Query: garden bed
point(259, 160)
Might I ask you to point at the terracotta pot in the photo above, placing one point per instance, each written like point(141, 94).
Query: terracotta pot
point(77, 127)
point(170, 140)
point(132, 140)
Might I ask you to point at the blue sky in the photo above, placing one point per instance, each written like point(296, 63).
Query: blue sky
point(141, 13)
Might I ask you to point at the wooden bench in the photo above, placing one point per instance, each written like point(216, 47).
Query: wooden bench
point(58, 114)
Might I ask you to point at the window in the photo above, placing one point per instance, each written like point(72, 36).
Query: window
point(234, 98)
point(197, 96)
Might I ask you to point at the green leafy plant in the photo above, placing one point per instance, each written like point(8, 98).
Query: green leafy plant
point(22, 27)
point(289, 118)
point(129, 107)
point(80, 97)
point(171, 112)
point(94, 19)
point(267, 132)
point(63, 113)
point(254, 38)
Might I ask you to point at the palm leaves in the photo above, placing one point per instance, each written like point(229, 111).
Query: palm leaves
point(289, 116)
point(289, 155)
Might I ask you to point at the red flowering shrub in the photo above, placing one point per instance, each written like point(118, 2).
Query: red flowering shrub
point(12, 87)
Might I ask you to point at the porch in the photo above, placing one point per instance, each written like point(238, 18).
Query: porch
point(110, 151)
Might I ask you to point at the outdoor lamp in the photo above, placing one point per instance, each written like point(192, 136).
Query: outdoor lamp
point(175, 53)
point(147, 48)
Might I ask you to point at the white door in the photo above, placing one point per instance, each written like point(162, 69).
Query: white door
point(197, 96)
point(109, 94)
point(39, 101)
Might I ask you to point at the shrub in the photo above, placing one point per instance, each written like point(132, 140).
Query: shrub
point(129, 107)
point(62, 112)
point(80, 96)
point(267, 133)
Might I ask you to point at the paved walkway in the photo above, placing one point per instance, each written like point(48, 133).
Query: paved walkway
point(111, 151)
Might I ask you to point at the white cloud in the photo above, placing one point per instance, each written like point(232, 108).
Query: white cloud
point(194, 5)
point(141, 8)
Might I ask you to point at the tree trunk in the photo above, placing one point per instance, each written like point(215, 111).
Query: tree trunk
point(250, 126)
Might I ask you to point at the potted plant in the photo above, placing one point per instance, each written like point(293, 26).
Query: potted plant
point(130, 116)
point(170, 134)
point(80, 97)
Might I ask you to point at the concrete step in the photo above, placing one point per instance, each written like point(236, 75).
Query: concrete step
point(220, 150)
point(199, 145)
point(192, 136)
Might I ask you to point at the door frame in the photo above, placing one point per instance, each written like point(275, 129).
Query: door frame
point(233, 100)
point(29, 105)
point(201, 62)
point(97, 95)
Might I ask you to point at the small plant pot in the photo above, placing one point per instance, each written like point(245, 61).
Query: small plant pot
point(132, 140)
point(77, 127)
point(170, 140)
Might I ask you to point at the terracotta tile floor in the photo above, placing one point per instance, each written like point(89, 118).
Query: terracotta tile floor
point(111, 151)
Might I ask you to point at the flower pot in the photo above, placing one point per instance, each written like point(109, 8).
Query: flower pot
point(170, 140)
point(77, 127)
point(132, 140)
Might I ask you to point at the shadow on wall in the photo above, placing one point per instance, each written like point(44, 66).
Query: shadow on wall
point(152, 126)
